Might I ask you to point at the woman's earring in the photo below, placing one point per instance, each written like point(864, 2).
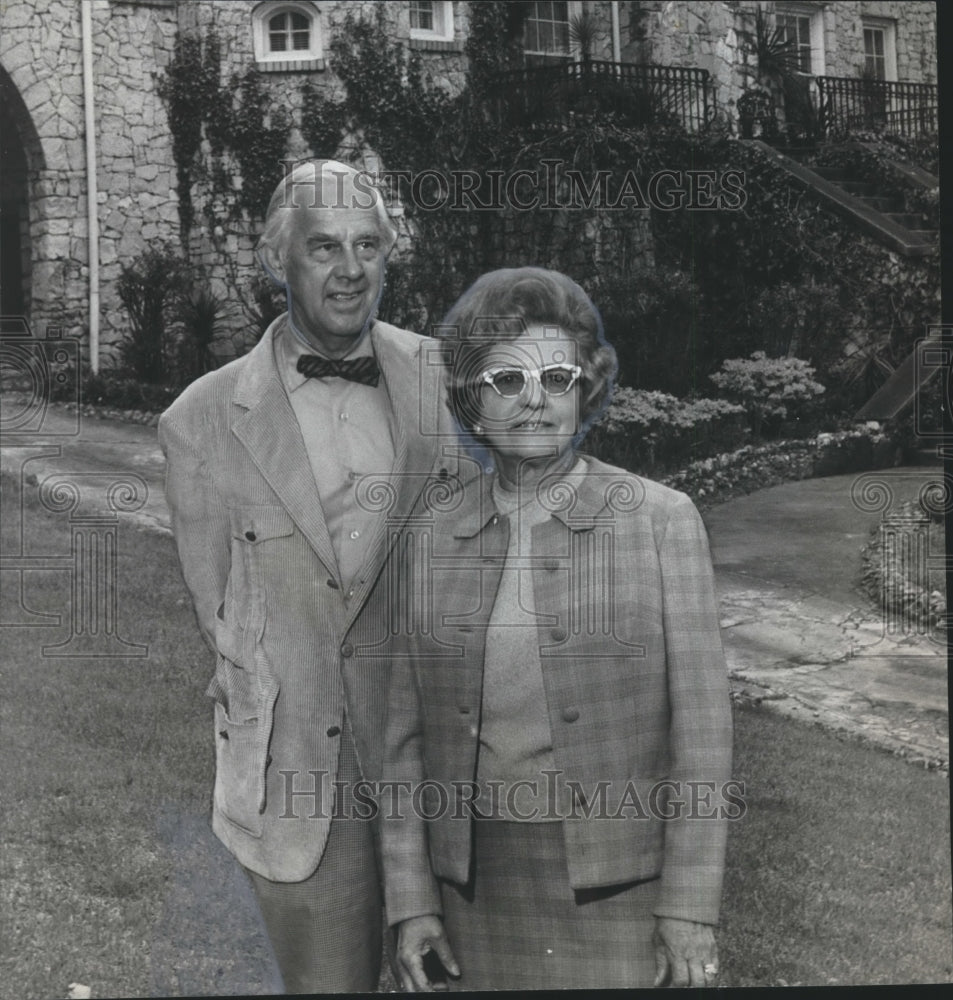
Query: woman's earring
point(477, 428)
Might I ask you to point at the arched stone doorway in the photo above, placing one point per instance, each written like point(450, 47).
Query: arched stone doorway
point(21, 159)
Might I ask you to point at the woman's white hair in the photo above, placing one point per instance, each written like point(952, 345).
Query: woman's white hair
point(321, 183)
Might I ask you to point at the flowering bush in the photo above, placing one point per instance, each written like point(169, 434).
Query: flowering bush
point(713, 480)
point(767, 387)
point(647, 430)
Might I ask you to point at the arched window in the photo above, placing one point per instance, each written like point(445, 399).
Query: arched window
point(287, 36)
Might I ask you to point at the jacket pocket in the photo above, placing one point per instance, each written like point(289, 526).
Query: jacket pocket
point(244, 712)
point(256, 556)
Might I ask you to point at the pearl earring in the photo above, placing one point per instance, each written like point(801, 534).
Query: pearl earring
point(477, 428)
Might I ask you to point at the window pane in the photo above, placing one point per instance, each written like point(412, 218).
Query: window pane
point(546, 29)
point(301, 41)
point(422, 15)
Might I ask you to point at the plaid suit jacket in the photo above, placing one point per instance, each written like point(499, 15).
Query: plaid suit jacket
point(634, 675)
point(257, 558)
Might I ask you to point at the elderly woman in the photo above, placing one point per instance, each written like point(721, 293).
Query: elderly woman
point(559, 713)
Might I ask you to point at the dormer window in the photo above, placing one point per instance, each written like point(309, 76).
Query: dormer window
point(287, 36)
point(289, 31)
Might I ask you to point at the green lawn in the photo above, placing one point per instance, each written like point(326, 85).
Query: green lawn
point(111, 878)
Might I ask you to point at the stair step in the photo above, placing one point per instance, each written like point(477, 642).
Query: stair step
point(882, 203)
point(835, 174)
point(858, 187)
point(926, 235)
point(906, 219)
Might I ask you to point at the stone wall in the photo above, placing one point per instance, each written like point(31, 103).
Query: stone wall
point(41, 50)
point(41, 59)
point(915, 37)
point(719, 37)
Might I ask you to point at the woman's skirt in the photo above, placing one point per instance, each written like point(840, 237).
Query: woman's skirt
point(518, 925)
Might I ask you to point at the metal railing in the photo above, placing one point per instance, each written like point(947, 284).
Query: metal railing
point(639, 94)
point(849, 103)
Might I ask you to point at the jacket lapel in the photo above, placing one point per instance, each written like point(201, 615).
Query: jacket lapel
point(269, 431)
point(410, 384)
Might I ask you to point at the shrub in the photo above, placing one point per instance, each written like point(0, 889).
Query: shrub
point(653, 431)
point(767, 387)
point(649, 318)
point(149, 288)
point(116, 390)
point(201, 313)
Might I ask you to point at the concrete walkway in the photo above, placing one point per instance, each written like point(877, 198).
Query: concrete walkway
point(800, 637)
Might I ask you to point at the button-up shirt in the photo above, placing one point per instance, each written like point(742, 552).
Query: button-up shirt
point(346, 428)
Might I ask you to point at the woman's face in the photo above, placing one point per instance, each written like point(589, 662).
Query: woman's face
point(531, 409)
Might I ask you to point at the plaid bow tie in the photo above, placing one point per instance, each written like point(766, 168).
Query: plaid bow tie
point(363, 370)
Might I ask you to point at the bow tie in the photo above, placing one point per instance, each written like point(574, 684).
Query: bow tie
point(363, 370)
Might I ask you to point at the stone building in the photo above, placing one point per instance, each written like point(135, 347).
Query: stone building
point(89, 178)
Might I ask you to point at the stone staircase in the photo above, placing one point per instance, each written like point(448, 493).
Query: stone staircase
point(888, 205)
point(878, 213)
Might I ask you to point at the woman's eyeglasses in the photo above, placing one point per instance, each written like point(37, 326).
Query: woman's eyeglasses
point(555, 380)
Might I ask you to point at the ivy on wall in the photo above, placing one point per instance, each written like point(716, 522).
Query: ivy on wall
point(190, 90)
point(777, 273)
point(230, 138)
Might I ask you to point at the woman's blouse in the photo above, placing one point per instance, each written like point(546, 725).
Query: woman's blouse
point(516, 744)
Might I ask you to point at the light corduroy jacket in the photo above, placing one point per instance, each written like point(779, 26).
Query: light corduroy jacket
point(257, 558)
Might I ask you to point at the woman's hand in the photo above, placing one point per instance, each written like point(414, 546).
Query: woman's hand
point(685, 953)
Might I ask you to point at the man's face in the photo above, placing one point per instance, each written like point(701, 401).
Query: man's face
point(333, 267)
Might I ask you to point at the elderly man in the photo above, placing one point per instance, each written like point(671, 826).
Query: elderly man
point(287, 473)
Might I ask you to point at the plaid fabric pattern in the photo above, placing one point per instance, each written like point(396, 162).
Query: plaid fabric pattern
point(634, 673)
point(518, 926)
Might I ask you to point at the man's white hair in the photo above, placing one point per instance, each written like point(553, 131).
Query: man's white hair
point(322, 183)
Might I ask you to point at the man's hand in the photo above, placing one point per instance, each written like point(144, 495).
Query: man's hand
point(685, 953)
point(416, 937)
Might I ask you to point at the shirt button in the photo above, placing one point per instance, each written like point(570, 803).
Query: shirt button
point(350, 593)
point(250, 535)
point(496, 518)
point(342, 415)
point(558, 634)
point(355, 534)
point(347, 650)
point(570, 714)
point(334, 731)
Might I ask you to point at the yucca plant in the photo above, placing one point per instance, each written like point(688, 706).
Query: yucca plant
point(200, 313)
point(582, 32)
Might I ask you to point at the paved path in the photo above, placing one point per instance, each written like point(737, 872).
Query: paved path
point(799, 635)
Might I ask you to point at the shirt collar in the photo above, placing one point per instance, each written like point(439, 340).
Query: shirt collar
point(289, 346)
point(577, 498)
